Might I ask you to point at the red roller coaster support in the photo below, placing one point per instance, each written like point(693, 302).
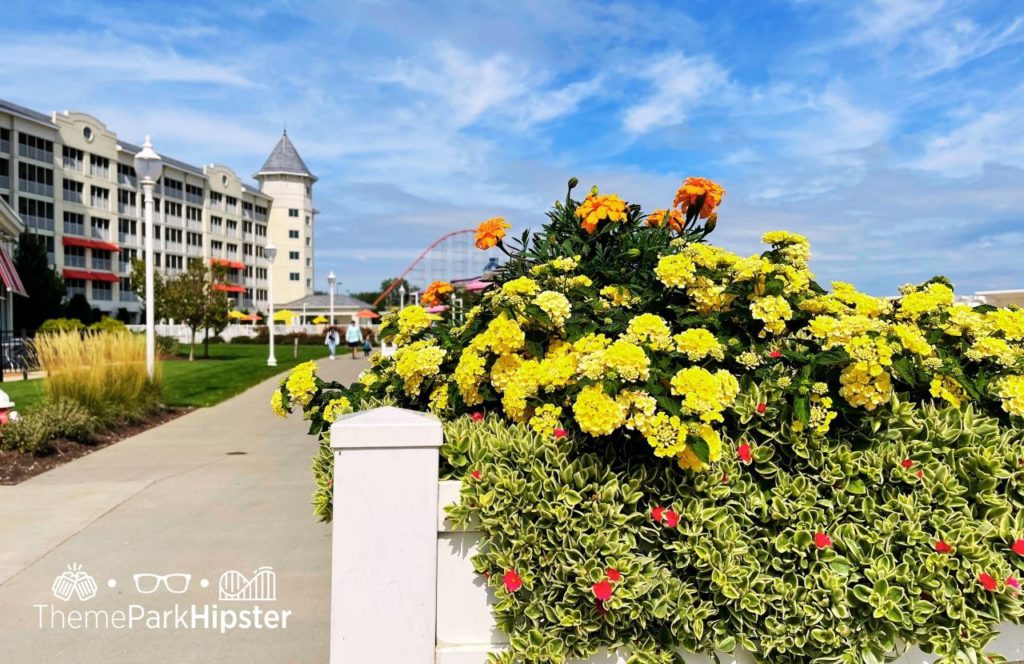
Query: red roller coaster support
point(395, 282)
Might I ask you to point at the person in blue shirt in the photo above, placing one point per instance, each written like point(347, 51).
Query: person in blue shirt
point(353, 336)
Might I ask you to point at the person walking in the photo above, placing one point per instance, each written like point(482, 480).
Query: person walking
point(332, 339)
point(354, 336)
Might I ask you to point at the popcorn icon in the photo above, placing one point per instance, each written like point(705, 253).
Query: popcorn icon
point(75, 581)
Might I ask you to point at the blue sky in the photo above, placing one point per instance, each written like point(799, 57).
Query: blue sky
point(890, 133)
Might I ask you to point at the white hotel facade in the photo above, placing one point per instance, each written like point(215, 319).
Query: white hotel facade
point(71, 180)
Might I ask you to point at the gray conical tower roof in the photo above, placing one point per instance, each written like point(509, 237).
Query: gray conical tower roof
point(285, 159)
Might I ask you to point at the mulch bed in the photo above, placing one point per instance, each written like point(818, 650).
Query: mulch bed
point(16, 467)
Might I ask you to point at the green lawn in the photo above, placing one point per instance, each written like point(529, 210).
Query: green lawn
point(231, 369)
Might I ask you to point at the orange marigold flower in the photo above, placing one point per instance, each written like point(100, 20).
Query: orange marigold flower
point(490, 231)
point(435, 293)
point(597, 208)
point(693, 189)
point(658, 218)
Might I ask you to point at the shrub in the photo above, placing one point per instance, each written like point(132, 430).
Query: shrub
point(60, 325)
point(69, 419)
point(108, 324)
point(166, 346)
point(29, 434)
point(683, 447)
point(104, 372)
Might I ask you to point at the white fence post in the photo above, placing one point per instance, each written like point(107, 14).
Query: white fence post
point(384, 552)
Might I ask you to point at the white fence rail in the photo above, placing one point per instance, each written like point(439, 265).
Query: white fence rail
point(184, 335)
point(403, 588)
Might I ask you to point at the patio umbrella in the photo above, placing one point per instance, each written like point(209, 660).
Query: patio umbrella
point(477, 285)
point(284, 315)
point(366, 313)
point(236, 315)
point(253, 318)
point(320, 320)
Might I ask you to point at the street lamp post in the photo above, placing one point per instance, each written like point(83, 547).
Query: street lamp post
point(331, 280)
point(148, 168)
point(270, 251)
point(401, 295)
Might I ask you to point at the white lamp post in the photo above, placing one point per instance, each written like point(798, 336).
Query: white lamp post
point(270, 251)
point(401, 295)
point(331, 280)
point(148, 167)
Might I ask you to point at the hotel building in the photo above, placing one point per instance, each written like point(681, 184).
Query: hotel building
point(71, 180)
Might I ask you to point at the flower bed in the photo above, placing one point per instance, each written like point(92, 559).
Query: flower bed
point(667, 445)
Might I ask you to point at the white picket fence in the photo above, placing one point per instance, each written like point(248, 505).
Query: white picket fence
point(184, 335)
point(403, 588)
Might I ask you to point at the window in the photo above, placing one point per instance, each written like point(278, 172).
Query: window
point(125, 201)
point(261, 213)
point(127, 294)
point(216, 225)
point(36, 214)
point(194, 194)
point(74, 160)
point(5, 172)
point(101, 260)
point(232, 203)
point(293, 235)
point(100, 197)
point(173, 234)
point(99, 166)
point(232, 227)
point(216, 199)
point(5, 140)
point(173, 188)
point(294, 276)
point(173, 210)
point(194, 239)
point(247, 249)
point(293, 212)
point(74, 256)
point(74, 223)
point(75, 287)
point(261, 230)
point(100, 228)
point(216, 245)
point(193, 213)
point(126, 230)
point(34, 147)
point(34, 179)
point(309, 220)
point(126, 175)
point(73, 191)
point(293, 255)
point(102, 291)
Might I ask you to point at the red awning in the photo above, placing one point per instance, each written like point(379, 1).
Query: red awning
point(90, 276)
point(10, 275)
point(234, 265)
point(89, 244)
point(229, 288)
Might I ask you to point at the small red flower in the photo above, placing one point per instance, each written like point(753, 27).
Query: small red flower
point(1018, 547)
point(614, 575)
point(671, 519)
point(775, 354)
point(907, 463)
point(761, 407)
point(1013, 583)
point(603, 590)
point(822, 541)
point(987, 581)
point(512, 581)
point(475, 474)
point(561, 433)
point(743, 452)
point(920, 474)
point(477, 415)
point(725, 478)
point(942, 547)
point(657, 513)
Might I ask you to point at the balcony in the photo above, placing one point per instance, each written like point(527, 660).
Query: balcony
point(71, 228)
point(124, 267)
point(194, 199)
point(195, 225)
point(71, 260)
point(104, 264)
point(5, 182)
point(72, 196)
point(100, 203)
point(194, 251)
point(173, 193)
point(127, 209)
point(128, 296)
point(39, 224)
point(74, 165)
point(247, 215)
point(5, 146)
point(126, 180)
point(102, 294)
point(175, 247)
point(248, 237)
point(128, 238)
point(36, 154)
point(174, 220)
point(75, 290)
point(37, 188)
point(102, 172)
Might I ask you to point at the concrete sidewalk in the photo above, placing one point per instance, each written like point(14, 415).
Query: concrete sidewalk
point(220, 489)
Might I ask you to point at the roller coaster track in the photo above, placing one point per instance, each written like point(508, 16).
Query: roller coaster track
point(398, 280)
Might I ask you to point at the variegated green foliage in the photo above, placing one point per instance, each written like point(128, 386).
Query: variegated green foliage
point(741, 568)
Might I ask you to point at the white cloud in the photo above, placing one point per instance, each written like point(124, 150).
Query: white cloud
point(991, 137)
point(679, 82)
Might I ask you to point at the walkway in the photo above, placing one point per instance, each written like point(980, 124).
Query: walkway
point(222, 488)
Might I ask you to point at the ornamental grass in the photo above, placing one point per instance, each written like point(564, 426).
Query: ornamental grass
point(671, 446)
point(105, 372)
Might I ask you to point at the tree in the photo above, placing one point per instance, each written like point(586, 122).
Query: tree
point(216, 316)
point(139, 287)
point(78, 307)
point(184, 299)
point(43, 284)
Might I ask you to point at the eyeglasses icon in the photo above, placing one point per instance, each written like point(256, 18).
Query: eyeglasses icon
point(174, 583)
